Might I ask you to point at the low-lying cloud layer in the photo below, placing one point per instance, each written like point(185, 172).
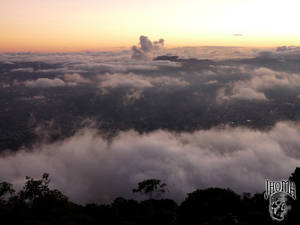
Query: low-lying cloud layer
point(87, 168)
point(184, 89)
point(138, 81)
point(259, 81)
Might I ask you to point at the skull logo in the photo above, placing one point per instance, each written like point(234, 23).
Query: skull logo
point(278, 206)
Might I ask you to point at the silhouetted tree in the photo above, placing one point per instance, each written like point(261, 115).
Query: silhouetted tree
point(5, 189)
point(38, 204)
point(151, 187)
point(38, 190)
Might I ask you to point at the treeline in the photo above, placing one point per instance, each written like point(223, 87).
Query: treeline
point(37, 204)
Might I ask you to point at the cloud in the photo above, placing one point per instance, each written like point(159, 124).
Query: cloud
point(237, 35)
point(211, 81)
point(4, 85)
point(136, 84)
point(248, 94)
point(171, 88)
point(125, 65)
point(132, 95)
point(267, 78)
point(159, 44)
point(124, 80)
point(88, 168)
point(282, 48)
point(287, 48)
point(75, 79)
point(132, 80)
point(281, 53)
point(267, 55)
point(27, 69)
point(45, 83)
point(146, 46)
point(240, 93)
point(261, 80)
point(169, 81)
point(40, 98)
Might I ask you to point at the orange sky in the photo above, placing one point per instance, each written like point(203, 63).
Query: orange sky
point(78, 25)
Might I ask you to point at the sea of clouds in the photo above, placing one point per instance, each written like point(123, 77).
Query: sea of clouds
point(89, 168)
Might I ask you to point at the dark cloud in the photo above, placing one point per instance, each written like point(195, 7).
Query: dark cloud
point(287, 48)
point(282, 48)
point(137, 53)
point(289, 53)
point(146, 44)
point(159, 44)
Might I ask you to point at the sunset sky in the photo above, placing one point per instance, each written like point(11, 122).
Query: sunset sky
point(78, 25)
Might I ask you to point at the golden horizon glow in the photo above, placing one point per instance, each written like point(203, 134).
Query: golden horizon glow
point(79, 25)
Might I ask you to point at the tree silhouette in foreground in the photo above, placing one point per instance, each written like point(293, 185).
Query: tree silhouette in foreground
point(151, 188)
point(5, 189)
point(37, 204)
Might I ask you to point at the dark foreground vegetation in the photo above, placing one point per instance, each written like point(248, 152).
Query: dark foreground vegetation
point(37, 204)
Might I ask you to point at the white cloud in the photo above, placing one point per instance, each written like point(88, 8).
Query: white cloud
point(124, 80)
point(211, 82)
point(75, 79)
point(261, 80)
point(87, 168)
point(132, 95)
point(267, 78)
point(240, 92)
point(132, 80)
point(4, 85)
point(45, 83)
point(27, 69)
point(248, 94)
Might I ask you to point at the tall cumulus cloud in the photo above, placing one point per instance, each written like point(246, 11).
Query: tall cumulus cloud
point(146, 46)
